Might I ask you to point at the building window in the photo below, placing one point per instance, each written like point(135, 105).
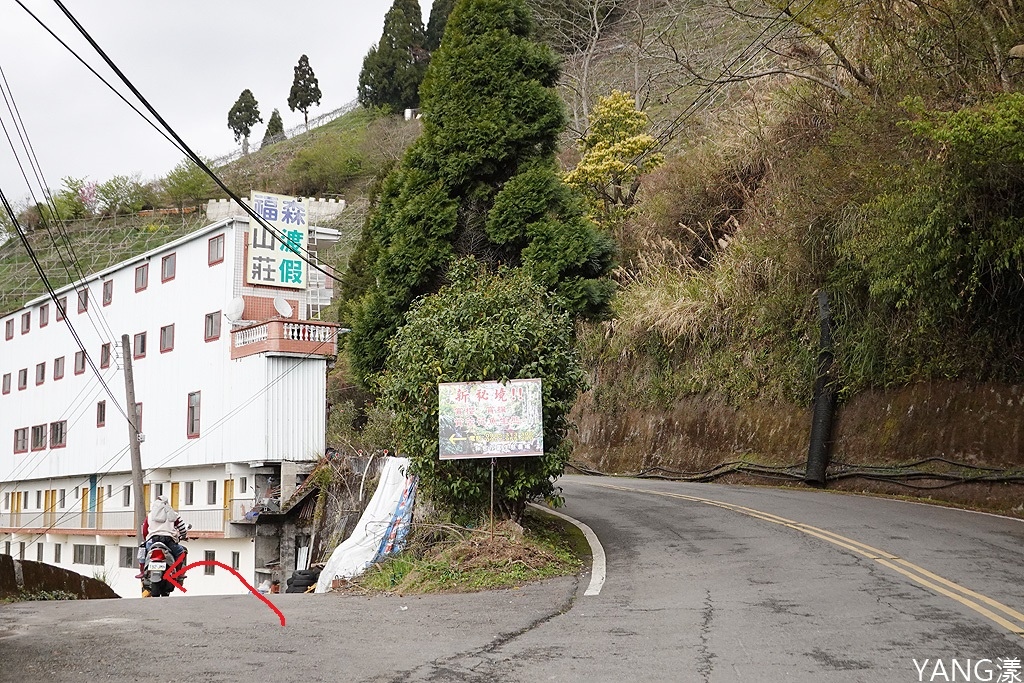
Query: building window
point(39, 552)
point(101, 413)
point(212, 326)
point(7, 383)
point(44, 315)
point(56, 553)
point(236, 559)
point(190, 492)
point(211, 492)
point(89, 554)
point(21, 550)
point(209, 556)
point(166, 338)
point(142, 277)
point(21, 440)
point(108, 292)
point(60, 494)
point(105, 355)
point(167, 267)
point(58, 368)
point(7, 547)
point(9, 329)
point(26, 322)
point(192, 427)
point(126, 557)
point(62, 308)
point(215, 253)
point(38, 437)
point(39, 500)
point(79, 362)
point(126, 496)
point(58, 434)
point(83, 300)
point(40, 373)
point(22, 379)
point(243, 484)
point(139, 348)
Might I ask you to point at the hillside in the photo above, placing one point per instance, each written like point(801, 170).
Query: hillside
point(868, 153)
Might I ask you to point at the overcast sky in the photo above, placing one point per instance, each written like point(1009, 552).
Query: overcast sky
point(191, 59)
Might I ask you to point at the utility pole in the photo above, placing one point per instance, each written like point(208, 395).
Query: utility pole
point(134, 437)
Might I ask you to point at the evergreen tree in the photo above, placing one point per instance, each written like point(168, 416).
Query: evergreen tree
point(305, 90)
point(439, 12)
point(275, 130)
point(393, 69)
point(243, 116)
point(480, 181)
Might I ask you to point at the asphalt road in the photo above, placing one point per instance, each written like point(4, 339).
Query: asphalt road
point(704, 583)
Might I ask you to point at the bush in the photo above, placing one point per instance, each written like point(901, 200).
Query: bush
point(482, 327)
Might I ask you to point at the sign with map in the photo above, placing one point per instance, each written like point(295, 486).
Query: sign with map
point(274, 256)
point(490, 419)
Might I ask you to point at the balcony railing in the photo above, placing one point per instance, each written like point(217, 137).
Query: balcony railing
point(211, 519)
point(305, 337)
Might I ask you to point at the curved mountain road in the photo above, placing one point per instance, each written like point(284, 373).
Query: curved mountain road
point(704, 583)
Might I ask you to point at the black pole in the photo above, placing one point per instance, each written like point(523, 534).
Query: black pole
point(824, 400)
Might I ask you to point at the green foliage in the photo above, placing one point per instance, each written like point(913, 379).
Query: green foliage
point(616, 152)
point(326, 165)
point(187, 184)
point(480, 181)
point(243, 115)
point(482, 327)
point(122, 194)
point(393, 69)
point(275, 130)
point(77, 199)
point(305, 90)
point(439, 12)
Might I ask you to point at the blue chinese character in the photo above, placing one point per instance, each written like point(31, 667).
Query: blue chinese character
point(266, 207)
point(293, 213)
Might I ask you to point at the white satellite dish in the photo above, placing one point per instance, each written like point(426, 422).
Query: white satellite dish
point(234, 309)
point(282, 307)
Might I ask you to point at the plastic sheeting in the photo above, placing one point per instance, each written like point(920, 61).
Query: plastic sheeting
point(381, 529)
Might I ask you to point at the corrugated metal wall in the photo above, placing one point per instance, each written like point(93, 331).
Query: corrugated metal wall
point(295, 407)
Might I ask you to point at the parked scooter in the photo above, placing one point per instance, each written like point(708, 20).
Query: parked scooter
point(158, 563)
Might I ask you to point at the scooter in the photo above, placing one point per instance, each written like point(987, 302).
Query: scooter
point(159, 560)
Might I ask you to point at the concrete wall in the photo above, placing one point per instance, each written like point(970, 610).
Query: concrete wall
point(18, 576)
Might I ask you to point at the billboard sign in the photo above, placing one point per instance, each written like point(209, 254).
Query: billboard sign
point(490, 419)
point(274, 256)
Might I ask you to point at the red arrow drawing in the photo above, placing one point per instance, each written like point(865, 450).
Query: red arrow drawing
point(175, 572)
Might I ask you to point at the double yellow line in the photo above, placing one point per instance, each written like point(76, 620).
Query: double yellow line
point(1007, 617)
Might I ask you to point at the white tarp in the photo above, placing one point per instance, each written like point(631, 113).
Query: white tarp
point(358, 551)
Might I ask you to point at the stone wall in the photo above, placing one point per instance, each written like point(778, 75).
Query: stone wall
point(25, 576)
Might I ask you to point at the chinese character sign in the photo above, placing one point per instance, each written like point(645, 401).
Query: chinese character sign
point(490, 419)
point(275, 256)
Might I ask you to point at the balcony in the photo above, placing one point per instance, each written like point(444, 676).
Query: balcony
point(208, 521)
point(308, 338)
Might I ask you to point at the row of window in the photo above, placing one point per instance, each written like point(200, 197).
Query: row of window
point(96, 555)
point(168, 270)
point(211, 332)
point(57, 431)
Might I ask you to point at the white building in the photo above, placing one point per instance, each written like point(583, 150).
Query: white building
point(231, 407)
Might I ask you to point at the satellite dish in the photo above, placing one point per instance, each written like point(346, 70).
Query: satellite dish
point(282, 307)
point(234, 309)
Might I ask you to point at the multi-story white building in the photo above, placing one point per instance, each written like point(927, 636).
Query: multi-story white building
point(229, 382)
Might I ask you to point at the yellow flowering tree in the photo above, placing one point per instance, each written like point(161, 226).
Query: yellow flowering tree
point(617, 151)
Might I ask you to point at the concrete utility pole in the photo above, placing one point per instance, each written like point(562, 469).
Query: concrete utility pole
point(133, 437)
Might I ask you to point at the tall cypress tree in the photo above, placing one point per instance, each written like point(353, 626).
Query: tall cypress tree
point(393, 69)
point(481, 180)
point(305, 90)
point(439, 13)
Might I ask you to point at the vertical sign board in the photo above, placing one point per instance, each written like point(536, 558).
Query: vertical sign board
point(490, 419)
point(274, 257)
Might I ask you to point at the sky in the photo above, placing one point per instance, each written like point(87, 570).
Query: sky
point(191, 59)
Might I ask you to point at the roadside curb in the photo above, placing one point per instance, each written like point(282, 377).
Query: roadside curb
point(598, 567)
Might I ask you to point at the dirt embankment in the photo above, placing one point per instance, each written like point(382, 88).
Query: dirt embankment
point(979, 425)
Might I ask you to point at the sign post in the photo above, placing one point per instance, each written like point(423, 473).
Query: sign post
point(490, 420)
